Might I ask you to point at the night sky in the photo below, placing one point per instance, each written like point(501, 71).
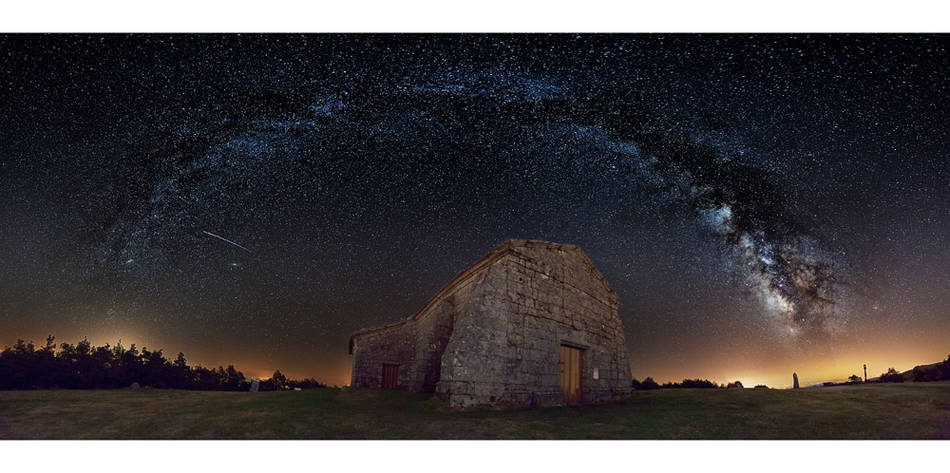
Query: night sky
point(761, 204)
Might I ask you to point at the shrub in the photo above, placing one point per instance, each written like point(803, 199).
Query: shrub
point(892, 376)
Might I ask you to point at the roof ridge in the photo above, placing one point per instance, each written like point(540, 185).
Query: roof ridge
point(473, 269)
point(468, 272)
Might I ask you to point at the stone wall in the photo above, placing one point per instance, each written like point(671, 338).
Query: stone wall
point(505, 347)
point(492, 336)
point(394, 344)
point(415, 344)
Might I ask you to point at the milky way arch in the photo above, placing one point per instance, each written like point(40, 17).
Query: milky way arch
point(440, 117)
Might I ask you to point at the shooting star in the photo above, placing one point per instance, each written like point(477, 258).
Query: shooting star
point(225, 239)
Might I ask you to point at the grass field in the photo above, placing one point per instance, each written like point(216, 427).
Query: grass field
point(892, 411)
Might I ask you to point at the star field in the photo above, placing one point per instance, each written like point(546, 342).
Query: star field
point(761, 203)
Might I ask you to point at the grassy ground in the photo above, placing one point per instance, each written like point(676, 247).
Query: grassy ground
point(894, 411)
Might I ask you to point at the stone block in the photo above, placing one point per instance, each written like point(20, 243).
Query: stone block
point(492, 337)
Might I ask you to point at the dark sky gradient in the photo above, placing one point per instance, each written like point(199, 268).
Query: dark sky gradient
point(761, 204)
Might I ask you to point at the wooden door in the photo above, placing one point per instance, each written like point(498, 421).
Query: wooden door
point(570, 378)
point(390, 375)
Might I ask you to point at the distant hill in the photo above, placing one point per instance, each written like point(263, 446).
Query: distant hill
point(909, 374)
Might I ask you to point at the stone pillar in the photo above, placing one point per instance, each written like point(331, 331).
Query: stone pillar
point(795, 380)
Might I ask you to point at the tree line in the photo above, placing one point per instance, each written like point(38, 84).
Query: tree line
point(84, 366)
point(936, 372)
point(697, 383)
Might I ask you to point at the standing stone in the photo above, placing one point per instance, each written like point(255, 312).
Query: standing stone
point(255, 386)
point(795, 380)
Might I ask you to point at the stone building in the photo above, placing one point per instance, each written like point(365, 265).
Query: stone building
point(531, 323)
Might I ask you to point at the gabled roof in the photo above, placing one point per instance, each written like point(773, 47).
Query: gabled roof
point(516, 244)
point(486, 261)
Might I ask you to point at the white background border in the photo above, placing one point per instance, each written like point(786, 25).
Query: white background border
point(479, 16)
point(472, 456)
point(474, 16)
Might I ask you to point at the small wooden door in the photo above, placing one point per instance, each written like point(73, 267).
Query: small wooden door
point(390, 375)
point(571, 373)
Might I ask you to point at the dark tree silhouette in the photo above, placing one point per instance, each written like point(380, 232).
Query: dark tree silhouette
point(279, 381)
point(691, 383)
point(892, 376)
point(650, 384)
point(84, 366)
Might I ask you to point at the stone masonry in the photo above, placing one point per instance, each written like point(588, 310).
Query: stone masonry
point(492, 337)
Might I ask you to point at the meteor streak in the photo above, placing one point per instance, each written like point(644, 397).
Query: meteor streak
point(225, 239)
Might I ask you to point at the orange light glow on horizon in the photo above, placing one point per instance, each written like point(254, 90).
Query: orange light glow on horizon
point(722, 367)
